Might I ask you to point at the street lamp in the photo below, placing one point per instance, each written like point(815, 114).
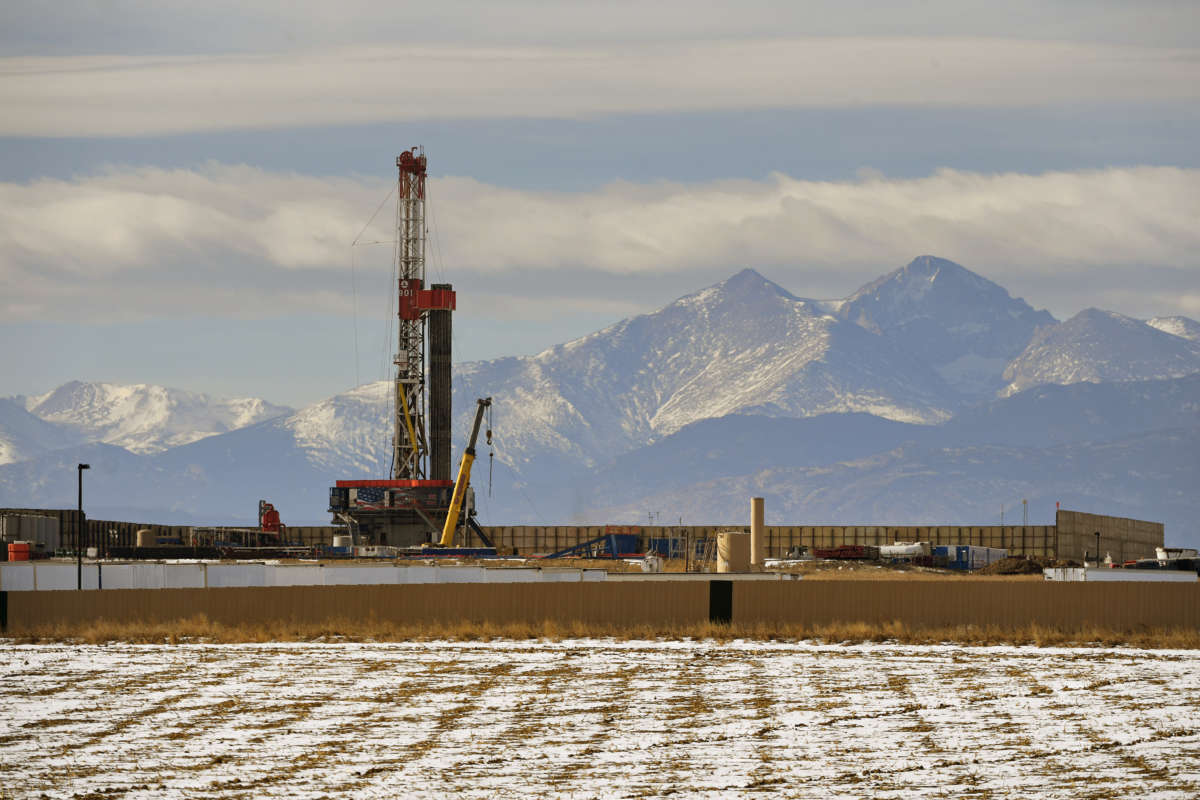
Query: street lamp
point(79, 532)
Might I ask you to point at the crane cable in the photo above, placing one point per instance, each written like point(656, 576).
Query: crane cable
point(491, 450)
point(354, 307)
point(372, 219)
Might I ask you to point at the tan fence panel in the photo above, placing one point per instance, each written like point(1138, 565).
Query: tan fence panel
point(919, 604)
point(1120, 606)
point(605, 603)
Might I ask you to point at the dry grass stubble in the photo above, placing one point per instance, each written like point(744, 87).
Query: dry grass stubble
point(202, 629)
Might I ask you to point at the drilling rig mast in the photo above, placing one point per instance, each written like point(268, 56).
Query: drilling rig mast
point(409, 506)
point(408, 438)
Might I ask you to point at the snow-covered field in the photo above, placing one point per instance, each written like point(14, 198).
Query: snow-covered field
point(589, 718)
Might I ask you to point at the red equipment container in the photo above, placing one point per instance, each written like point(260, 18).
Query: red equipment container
point(19, 551)
point(848, 552)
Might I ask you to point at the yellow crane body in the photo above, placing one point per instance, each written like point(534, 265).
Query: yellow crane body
point(464, 477)
point(456, 502)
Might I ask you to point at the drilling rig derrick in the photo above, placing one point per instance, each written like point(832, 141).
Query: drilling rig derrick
point(409, 446)
point(408, 508)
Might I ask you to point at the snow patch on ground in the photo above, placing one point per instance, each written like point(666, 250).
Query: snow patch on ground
point(587, 718)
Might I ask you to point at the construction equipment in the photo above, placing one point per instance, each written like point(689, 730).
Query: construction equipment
point(268, 520)
point(610, 545)
point(464, 474)
point(848, 552)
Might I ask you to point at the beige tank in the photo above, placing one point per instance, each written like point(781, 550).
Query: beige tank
point(342, 540)
point(146, 538)
point(733, 552)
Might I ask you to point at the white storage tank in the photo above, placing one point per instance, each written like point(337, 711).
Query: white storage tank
point(904, 550)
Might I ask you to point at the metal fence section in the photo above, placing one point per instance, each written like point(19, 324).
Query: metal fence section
point(1071, 537)
point(918, 604)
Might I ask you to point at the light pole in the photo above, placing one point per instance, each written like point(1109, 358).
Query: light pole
point(79, 532)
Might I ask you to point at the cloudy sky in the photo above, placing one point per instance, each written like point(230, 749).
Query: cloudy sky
point(181, 182)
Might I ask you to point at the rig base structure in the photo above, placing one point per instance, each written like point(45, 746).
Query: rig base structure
point(394, 513)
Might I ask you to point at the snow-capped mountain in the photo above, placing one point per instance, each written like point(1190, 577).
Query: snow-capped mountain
point(1100, 346)
point(347, 434)
point(965, 326)
point(877, 408)
point(24, 436)
point(743, 346)
point(1183, 327)
point(289, 460)
point(144, 418)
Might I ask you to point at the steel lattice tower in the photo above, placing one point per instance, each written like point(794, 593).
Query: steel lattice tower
point(408, 440)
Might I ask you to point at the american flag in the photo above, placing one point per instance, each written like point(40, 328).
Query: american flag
point(370, 497)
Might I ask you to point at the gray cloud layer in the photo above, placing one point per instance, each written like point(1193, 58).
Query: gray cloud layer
point(226, 26)
point(239, 240)
point(115, 95)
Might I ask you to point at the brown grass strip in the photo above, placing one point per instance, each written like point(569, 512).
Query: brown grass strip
point(199, 629)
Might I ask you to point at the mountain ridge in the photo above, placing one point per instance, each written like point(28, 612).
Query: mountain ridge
point(1100, 346)
point(143, 418)
point(834, 380)
point(965, 325)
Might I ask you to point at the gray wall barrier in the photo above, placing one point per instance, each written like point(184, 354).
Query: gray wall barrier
point(55, 576)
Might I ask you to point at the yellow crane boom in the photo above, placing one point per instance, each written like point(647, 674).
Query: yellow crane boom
point(464, 477)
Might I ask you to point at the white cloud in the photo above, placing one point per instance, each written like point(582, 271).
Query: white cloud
point(239, 240)
point(113, 95)
point(1059, 221)
point(135, 219)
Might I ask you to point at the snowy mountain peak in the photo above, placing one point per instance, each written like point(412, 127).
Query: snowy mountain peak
point(749, 282)
point(145, 418)
point(1182, 327)
point(968, 327)
point(1099, 346)
point(928, 286)
point(744, 292)
point(739, 299)
point(745, 345)
point(910, 286)
point(931, 268)
point(1100, 316)
point(61, 399)
point(348, 433)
